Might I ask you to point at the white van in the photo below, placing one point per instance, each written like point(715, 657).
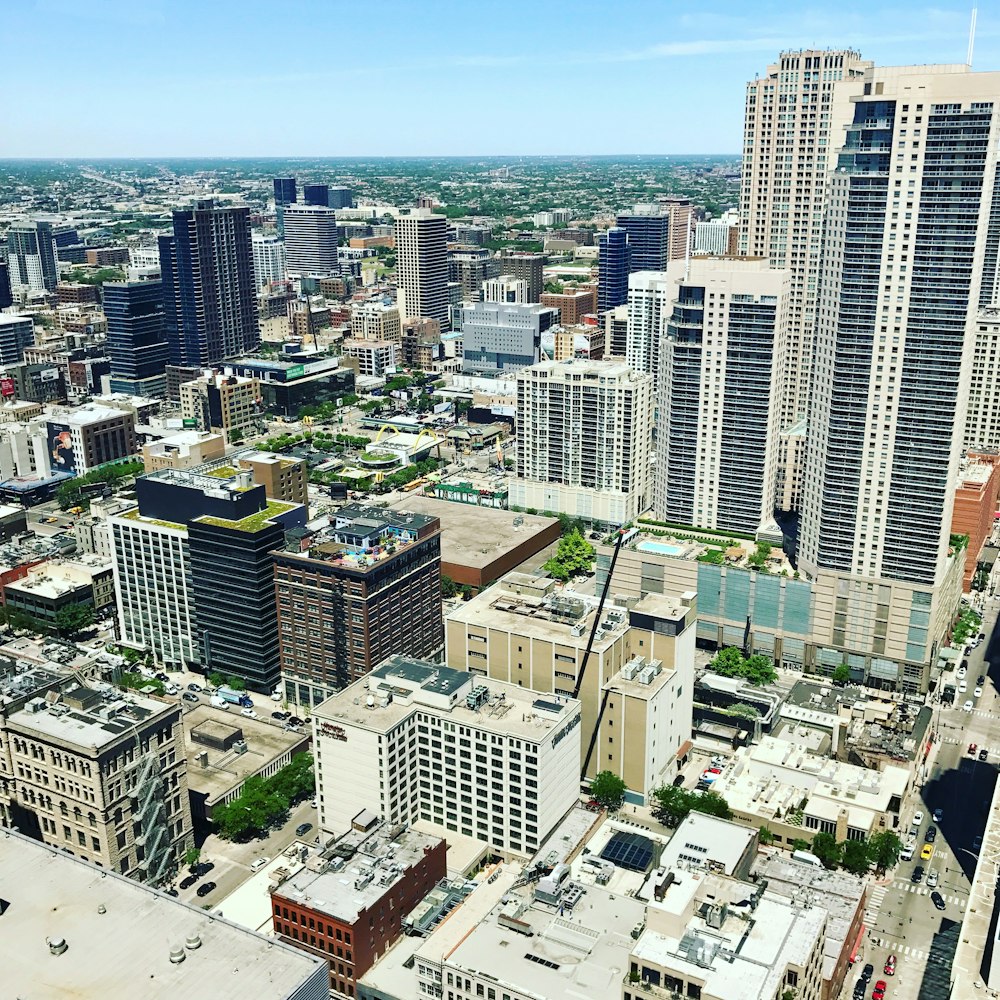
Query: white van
point(906, 854)
point(807, 859)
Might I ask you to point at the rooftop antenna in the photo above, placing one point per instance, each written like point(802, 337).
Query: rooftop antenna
point(972, 37)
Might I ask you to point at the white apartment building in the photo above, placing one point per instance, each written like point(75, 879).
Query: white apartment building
point(554, 217)
point(268, 258)
point(311, 240)
point(982, 422)
point(650, 294)
point(376, 321)
point(375, 358)
point(719, 406)
point(416, 740)
point(505, 288)
point(422, 265)
point(153, 586)
point(583, 439)
point(788, 141)
point(718, 237)
point(145, 255)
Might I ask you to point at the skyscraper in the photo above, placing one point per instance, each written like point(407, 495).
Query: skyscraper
point(268, 259)
point(525, 267)
point(909, 256)
point(787, 141)
point(137, 343)
point(340, 197)
point(648, 230)
point(719, 392)
point(316, 194)
point(284, 194)
point(311, 241)
point(614, 263)
point(680, 212)
point(6, 298)
point(209, 298)
point(650, 294)
point(422, 265)
point(31, 256)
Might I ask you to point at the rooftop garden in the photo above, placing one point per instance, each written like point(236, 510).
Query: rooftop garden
point(223, 472)
point(253, 522)
point(134, 515)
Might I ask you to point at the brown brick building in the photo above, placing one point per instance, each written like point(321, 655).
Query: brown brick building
point(352, 920)
point(368, 586)
point(975, 506)
point(573, 303)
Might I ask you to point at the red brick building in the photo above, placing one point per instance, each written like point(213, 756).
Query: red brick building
point(349, 919)
point(975, 506)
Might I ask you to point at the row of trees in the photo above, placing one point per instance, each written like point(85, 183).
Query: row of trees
point(756, 669)
point(856, 856)
point(672, 804)
point(264, 802)
point(67, 622)
point(70, 493)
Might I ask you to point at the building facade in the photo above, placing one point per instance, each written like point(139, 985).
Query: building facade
point(614, 264)
point(422, 265)
point(525, 267)
point(137, 341)
point(268, 258)
point(16, 333)
point(375, 321)
point(31, 256)
point(500, 337)
point(648, 229)
point(469, 267)
point(229, 404)
point(312, 238)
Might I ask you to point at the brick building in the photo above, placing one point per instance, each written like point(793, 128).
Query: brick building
point(975, 506)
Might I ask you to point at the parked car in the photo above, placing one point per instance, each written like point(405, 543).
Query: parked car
point(249, 713)
point(206, 888)
point(918, 817)
point(867, 972)
point(189, 696)
point(932, 880)
point(280, 716)
point(890, 966)
point(938, 815)
point(982, 635)
point(973, 747)
point(978, 693)
point(202, 868)
point(984, 754)
point(302, 829)
point(968, 706)
point(931, 834)
point(879, 992)
point(963, 686)
point(188, 881)
point(275, 696)
point(161, 676)
point(294, 720)
point(172, 892)
point(927, 853)
point(194, 687)
point(258, 863)
point(981, 680)
point(938, 900)
point(917, 874)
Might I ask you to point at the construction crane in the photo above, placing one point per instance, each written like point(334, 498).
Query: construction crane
point(622, 533)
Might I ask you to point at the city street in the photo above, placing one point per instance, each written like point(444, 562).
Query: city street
point(901, 918)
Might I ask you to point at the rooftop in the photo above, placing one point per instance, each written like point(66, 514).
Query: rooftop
point(702, 841)
point(476, 536)
point(252, 522)
point(20, 682)
point(82, 416)
point(119, 935)
point(399, 686)
point(363, 869)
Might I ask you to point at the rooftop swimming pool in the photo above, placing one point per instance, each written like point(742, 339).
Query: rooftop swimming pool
point(660, 548)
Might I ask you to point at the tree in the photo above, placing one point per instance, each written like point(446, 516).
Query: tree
point(609, 790)
point(759, 669)
point(466, 592)
point(759, 559)
point(192, 856)
point(448, 588)
point(765, 836)
point(798, 844)
point(842, 675)
point(574, 554)
point(672, 804)
point(728, 662)
point(826, 848)
point(73, 618)
point(236, 683)
point(854, 856)
point(883, 850)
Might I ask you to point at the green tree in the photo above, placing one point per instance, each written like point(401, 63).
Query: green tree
point(854, 856)
point(448, 588)
point(191, 856)
point(466, 592)
point(744, 711)
point(216, 679)
point(609, 790)
point(765, 836)
point(574, 554)
point(671, 805)
point(798, 844)
point(72, 619)
point(236, 683)
point(759, 559)
point(842, 675)
point(759, 669)
point(826, 848)
point(883, 850)
point(728, 662)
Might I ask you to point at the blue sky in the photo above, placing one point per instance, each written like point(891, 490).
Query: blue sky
point(328, 78)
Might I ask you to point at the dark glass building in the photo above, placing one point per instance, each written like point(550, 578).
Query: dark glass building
point(340, 197)
point(6, 299)
point(284, 194)
point(209, 296)
point(648, 240)
point(137, 343)
point(316, 194)
point(614, 262)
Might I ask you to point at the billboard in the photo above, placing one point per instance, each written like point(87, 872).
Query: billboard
point(294, 371)
point(49, 374)
point(6, 386)
point(62, 458)
point(189, 422)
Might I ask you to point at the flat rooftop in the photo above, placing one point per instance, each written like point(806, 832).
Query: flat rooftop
point(702, 839)
point(476, 536)
point(369, 873)
point(506, 708)
point(226, 769)
point(119, 935)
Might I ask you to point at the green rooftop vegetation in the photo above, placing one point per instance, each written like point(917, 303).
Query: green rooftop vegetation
point(253, 522)
point(223, 472)
point(134, 515)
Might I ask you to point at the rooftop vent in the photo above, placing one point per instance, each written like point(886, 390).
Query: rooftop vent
point(57, 945)
point(177, 955)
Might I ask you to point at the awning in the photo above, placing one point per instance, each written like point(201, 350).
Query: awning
point(857, 945)
point(685, 749)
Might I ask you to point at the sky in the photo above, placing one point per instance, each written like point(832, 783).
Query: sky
point(159, 78)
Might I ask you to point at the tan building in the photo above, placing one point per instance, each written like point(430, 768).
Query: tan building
point(975, 507)
point(185, 450)
point(641, 665)
point(421, 343)
point(375, 358)
point(375, 321)
point(573, 303)
point(283, 478)
point(76, 293)
point(422, 265)
point(102, 775)
point(217, 402)
point(982, 421)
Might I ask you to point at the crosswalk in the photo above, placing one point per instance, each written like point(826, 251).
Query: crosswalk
point(921, 890)
point(904, 950)
point(874, 904)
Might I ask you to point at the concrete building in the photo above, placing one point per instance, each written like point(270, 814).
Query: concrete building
point(974, 513)
point(650, 295)
point(102, 775)
point(183, 450)
point(366, 587)
point(616, 332)
point(353, 922)
point(133, 941)
point(311, 240)
point(469, 267)
point(718, 237)
point(680, 212)
point(47, 589)
point(869, 520)
point(422, 265)
point(31, 256)
point(374, 358)
point(982, 421)
point(501, 337)
point(482, 758)
point(719, 403)
point(505, 288)
point(268, 258)
point(525, 267)
point(375, 321)
point(283, 477)
point(710, 844)
point(224, 403)
point(421, 345)
point(16, 333)
point(553, 217)
point(288, 386)
point(641, 667)
point(82, 439)
point(573, 303)
point(583, 441)
point(789, 138)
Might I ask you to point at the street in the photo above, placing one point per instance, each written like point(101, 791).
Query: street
point(901, 918)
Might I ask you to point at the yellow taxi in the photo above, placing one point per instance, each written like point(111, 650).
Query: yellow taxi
point(927, 853)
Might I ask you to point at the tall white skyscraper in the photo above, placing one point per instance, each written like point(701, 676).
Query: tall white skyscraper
point(649, 296)
point(268, 258)
point(911, 252)
point(311, 240)
point(422, 265)
point(719, 393)
point(787, 140)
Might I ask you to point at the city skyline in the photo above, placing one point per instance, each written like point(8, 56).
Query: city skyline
point(212, 95)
